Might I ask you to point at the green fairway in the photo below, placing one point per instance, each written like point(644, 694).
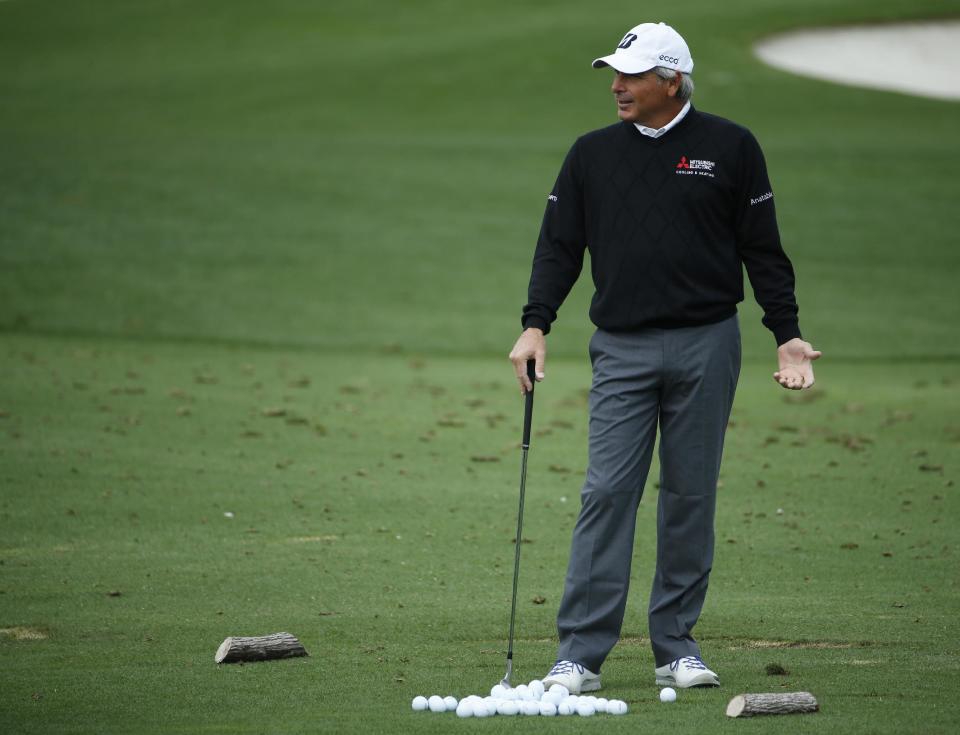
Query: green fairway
point(260, 268)
point(374, 511)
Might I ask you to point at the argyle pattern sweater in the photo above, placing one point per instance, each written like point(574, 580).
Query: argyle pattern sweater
point(669, 223)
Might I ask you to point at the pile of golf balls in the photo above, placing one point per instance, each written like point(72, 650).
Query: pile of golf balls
point(525, 699)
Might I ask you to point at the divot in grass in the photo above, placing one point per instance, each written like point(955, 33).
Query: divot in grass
point(21, 633)
point(760, 643)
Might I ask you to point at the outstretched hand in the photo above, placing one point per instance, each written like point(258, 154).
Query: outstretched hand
point(796, 364)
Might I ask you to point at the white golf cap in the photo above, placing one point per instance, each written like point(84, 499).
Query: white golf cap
point(646, 46)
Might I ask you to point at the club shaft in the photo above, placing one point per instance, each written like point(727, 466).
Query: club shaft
point(516, 552)
point(525, 447)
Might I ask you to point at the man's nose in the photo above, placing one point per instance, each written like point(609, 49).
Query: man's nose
point(617, 85)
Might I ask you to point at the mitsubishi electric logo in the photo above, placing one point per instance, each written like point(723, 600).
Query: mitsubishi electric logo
point(695, 167)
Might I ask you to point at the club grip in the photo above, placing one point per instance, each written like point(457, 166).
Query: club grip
point(528, 407)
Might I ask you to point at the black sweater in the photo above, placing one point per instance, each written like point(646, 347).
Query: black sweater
point(668, 222)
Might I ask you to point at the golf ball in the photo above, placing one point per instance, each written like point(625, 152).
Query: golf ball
point(436, 704)
point(450, 702)
point(419, 704)
point(510, 694)
point(601, 704)
point(465, 709)
point(560, 689)
point(565, 708)
point(497, 691)
point(529, 707)
point(523, 692)
point(573, 699)
point(481, 710)
point(586, 708)
point(508, 707)
point(668, 695)
point(616, 707)
point(491, 705)
point(553, 698)
point(548, 709)
point(536, 689)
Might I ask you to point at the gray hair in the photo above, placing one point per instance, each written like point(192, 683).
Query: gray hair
point(686, 82)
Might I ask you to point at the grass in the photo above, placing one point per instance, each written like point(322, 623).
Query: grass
point(267, 261)
point(364, 522)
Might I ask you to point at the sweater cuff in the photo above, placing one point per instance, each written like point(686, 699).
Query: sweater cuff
point(786, 331)
point(535, 322)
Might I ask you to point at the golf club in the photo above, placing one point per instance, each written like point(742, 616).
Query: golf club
point(524, 447)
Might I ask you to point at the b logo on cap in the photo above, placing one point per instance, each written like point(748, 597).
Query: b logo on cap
point(627, 40)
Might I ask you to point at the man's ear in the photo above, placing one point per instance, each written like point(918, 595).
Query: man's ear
point(674, 86)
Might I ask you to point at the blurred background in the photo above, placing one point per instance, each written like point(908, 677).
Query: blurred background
point(369, 176)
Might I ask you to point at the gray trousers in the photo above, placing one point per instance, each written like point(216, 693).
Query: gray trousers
point(684, 379)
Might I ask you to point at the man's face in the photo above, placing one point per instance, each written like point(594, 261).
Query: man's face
point(641, 98)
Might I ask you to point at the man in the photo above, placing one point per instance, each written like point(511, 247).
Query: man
point(671, 202)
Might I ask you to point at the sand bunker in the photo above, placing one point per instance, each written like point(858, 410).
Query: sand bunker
point(921, 59)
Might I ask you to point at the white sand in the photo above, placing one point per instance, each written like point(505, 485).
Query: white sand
point(914, 58)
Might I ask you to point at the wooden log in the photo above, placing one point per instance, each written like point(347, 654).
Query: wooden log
point(781, 703)
point(259, 648)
